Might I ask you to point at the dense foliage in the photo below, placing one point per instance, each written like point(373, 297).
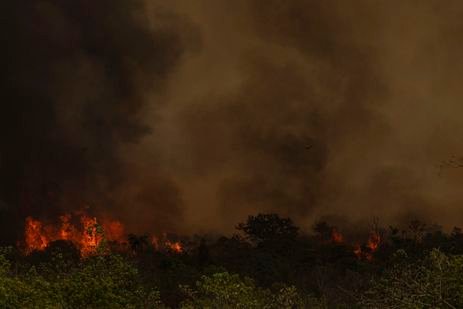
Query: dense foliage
point(269, 264)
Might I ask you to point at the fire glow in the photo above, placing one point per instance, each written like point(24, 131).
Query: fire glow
point(162, 243)
point(336, 236)
point(86, 233)
point(362, 252)
point(83, 230)
point(372, 245)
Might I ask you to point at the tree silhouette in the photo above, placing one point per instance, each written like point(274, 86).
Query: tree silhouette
point(268, 227)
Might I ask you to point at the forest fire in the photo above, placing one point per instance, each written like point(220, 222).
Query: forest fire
point(373, 241)
point(336, 236)
point(83, 230)
point(174, 246)
point(34, 236)
point(365, 251)
point(87, 233)
point(166, 244)
point(372, 245)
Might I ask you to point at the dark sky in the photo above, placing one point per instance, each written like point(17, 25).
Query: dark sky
point(191, 115)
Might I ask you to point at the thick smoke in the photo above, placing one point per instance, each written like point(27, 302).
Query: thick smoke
point(305, 108)
point(317, 108)
point(76, 78)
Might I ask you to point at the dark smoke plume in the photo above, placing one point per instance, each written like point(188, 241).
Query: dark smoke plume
point(318, 108)
point(310, 109)
point(76, 79)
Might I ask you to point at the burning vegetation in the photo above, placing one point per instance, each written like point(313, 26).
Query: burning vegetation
point(365, 251)
point(196, 271)
point(86, 232)
point(336, 236)
point(119, 101)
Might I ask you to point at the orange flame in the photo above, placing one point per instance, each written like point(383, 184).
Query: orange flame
point(155, 242)
point(161, 243)
point(114, 230)
point(372, 245)
point(87, 235)
point(174, 246)
point(34, 238)
point(90, 236)
point(66, 227)
point(373, 241)
point(336, 236)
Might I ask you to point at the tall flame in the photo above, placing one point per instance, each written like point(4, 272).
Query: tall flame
point(34, 237)
point(67, 230)
point(85, 233)
point(174, 246)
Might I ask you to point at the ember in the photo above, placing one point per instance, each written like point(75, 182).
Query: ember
point(34, 237)
point(86, 232)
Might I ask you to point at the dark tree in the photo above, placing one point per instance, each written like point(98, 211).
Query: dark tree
point(203, 254)
point(138, 243)
point(268, 227)
point(323, 230)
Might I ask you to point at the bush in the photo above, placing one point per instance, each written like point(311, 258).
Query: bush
point(224, 290)
point(98, 282)
point(433, 282)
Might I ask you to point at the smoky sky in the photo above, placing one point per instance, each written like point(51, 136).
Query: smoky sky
point(191, 115)
point(76, 75)
point(316, 109)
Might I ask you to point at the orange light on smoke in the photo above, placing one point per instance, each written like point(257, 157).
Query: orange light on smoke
point(90, 237)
